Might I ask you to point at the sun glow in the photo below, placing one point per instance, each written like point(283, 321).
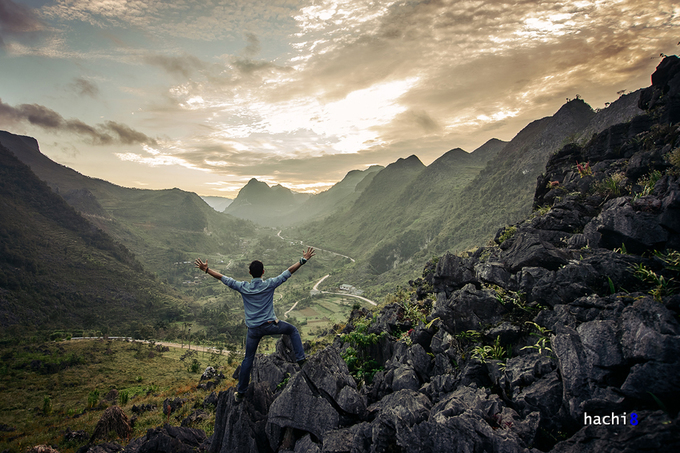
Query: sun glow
point(346, 125)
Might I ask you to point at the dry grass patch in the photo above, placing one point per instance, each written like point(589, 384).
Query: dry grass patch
point(50, 388)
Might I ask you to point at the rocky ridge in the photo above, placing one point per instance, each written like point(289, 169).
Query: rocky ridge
point(569, 314)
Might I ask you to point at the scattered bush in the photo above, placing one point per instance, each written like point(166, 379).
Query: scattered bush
point(361, 368)
point(123, 397)
point(472, 336)
point(47, 405)
point(485, 353)
point(543, 342)
point(648, 182)
point(674, 157)
point(93, 399)
point(584, 169)
point(612, 186)
point(508, 233)
point(195, 366)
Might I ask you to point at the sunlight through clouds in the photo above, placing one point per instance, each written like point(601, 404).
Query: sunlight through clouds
point(348, 121)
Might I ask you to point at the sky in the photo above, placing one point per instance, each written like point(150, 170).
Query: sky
point(205, 95)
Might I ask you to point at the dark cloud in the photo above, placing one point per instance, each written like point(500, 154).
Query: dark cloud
point(84, 87)
point(254, 47)
point(185, 65)
point(102, 134)
point(423, 120)
point(17, 20)
point(246, 66)
point(126, 135)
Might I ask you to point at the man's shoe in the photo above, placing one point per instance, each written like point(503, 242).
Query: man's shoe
point(238, 397)
point(301, 362)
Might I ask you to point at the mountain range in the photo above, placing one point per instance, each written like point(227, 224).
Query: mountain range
point(461, 199)
point(391, 215)
point(260, 203)
point(159, 226)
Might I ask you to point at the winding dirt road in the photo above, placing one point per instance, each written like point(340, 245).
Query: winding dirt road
point(317, 248)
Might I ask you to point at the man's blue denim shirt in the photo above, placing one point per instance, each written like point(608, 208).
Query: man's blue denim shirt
point(258, 297)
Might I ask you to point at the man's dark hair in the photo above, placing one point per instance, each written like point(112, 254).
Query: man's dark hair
point(256, 269)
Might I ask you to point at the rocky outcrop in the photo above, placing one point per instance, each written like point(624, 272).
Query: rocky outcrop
point(169, 439)
point(112, 420)
point(316, 400)
point(241, 427)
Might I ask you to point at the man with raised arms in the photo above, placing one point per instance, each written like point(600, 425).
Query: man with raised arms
point(258, 304)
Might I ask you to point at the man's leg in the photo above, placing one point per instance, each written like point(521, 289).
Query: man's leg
point(252, 341)
point(284, 328)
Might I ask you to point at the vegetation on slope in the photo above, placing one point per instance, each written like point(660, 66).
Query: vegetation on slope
point(57, 270)
point(49, 389)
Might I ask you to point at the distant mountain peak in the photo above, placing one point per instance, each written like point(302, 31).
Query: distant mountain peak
point(256, 182)
point(574, 107)
point(410, 161)
point(411, 158)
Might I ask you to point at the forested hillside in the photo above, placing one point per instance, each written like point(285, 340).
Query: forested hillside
point(260, 203)
point(339, 197)
point(503, 192)
point(461, 199)
point(59, 271)
point(400, 211)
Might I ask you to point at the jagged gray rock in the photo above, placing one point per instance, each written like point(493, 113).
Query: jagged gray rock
point(315, 398)
point(241, 427)
point(468, 309)
point(453, 272)
point(306, 445)
point(464, 422)
point(619, 223)
point(271, 369)
point(169, 439)
point(655, 432)
point(528, 250)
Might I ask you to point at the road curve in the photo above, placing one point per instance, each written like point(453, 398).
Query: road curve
point(317, 248)
point(351, 295)
point(316, 287)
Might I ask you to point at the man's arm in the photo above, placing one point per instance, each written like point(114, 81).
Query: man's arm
point(305, 256)
point(204, 267)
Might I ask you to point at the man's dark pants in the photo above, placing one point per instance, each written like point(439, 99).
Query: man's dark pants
point(253, 338)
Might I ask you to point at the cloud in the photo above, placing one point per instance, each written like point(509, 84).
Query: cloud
point(185, 65)
point(465, 72)
point(125, 134)
point(254, 47)
point(17, 21)
point(193, 19)
point(108, 133)
point(248, 67)
point(84, 87)
point(478, 63)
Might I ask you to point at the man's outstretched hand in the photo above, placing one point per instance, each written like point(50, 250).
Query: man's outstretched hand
point(201, 265)
point(306, 256)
